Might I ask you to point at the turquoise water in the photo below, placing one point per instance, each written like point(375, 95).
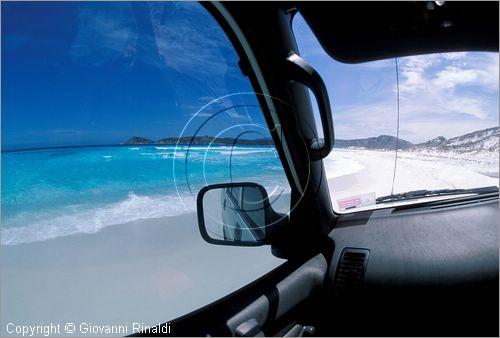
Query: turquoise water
point(51, 193)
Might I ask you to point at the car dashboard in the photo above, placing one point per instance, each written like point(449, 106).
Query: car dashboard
point(430, 270)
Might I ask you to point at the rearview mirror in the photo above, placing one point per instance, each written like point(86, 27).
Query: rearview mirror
point(234, 214)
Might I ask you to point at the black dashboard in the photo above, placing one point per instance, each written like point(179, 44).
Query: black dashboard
point(445, 245)
point(429, 270)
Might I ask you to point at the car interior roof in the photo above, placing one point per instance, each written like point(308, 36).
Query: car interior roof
point(354, 32)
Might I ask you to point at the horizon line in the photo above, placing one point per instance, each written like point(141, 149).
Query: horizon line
point(162, 144)
point(95, 145)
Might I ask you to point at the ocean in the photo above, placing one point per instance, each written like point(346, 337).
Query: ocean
point(50, 193)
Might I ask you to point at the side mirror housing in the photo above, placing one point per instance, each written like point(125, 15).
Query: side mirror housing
point(237, 214)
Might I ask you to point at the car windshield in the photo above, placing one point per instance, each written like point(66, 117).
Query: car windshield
point(416, 126)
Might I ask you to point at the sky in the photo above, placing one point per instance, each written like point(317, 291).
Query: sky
point(77, 73)
point(446, 94)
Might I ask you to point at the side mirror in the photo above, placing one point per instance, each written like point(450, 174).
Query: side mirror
point(234, 214)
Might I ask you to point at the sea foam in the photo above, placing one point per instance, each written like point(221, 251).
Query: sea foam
point(134, 207)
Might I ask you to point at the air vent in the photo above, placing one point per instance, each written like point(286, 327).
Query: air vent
point(350, 270)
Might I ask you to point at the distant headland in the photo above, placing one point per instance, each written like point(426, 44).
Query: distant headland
point(200, 140)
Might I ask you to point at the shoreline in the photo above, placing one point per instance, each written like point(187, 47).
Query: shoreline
point(132, 145)
point(143, 271)
point(413, 172)
point(95, 220)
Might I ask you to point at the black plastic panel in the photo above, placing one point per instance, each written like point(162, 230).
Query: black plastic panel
point(423, 246)
point(431, 272)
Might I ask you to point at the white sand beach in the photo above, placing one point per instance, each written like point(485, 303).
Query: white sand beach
point(154, 270)
point(146, 271)
point(356, 172)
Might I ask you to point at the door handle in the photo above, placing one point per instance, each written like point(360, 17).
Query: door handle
point(249, 328)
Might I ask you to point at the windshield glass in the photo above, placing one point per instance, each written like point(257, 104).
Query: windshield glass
point(421, 122)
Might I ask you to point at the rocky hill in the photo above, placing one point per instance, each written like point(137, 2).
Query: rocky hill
point(382, 142)
point(199, 140)
point(480, 140)
point(138, 140)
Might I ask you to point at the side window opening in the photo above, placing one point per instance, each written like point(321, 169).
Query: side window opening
point(114, 115)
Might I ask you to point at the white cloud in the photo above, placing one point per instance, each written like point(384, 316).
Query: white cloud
point(432, 100)
point(446, 94)
point(235, 115)
point(419, 63)
point(449, 84)
point(418, 124)
point(448, 71)
point(454, 56)
point(437, 103)
point(105, 32)
point(412, 71)
point(454, 76)
point(202, 114)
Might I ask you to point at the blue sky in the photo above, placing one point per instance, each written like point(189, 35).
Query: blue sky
point(447, 94)
point(97, 73)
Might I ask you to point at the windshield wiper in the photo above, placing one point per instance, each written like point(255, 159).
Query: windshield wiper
point(430, 193)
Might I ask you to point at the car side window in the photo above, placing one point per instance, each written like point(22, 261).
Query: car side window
point(114, 116)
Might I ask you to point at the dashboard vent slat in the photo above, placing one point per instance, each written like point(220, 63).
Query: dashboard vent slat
point(350, 270)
